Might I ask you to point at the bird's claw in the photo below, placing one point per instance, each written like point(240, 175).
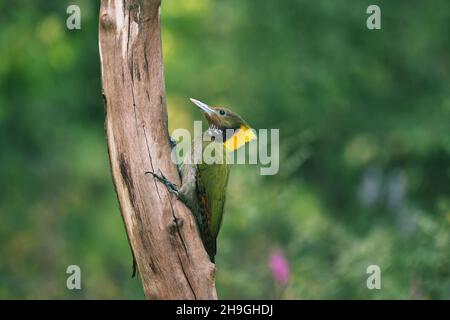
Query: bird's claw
point(169, 185)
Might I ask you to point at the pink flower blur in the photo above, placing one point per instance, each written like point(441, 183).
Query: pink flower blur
point(279, 267)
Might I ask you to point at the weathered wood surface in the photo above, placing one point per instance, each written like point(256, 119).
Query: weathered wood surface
point(171, 260)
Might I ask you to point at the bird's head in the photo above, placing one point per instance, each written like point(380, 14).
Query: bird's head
point(227, 121)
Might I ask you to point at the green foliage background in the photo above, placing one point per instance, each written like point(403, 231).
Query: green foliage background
point(364, 119)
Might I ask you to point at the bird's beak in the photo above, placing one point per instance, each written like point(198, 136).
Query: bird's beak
point(203, 106)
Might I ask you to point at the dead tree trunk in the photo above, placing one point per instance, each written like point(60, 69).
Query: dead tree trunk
point(162, 232)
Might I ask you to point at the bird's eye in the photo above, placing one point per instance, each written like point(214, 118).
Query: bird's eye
point(222, 112)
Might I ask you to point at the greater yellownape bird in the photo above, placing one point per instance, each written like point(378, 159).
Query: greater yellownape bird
point(203, 185)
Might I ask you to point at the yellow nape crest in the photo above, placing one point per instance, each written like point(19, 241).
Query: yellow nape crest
point(243, 135)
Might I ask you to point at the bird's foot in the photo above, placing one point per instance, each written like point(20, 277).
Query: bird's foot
point(172, 187)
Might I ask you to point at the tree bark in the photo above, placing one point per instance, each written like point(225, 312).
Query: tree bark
point(162, 232)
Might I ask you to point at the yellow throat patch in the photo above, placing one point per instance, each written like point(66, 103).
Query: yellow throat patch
point(243, 135)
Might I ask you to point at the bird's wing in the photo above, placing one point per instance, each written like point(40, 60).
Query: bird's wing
point(211, 187)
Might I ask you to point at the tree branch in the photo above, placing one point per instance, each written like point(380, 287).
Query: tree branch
point(162, 232)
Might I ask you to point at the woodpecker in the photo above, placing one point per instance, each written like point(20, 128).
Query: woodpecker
point(203, 184)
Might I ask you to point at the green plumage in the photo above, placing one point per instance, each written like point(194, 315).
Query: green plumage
point(203, 190)
point(211, 183)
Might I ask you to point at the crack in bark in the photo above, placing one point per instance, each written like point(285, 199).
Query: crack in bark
point(187, 278)
point(129, 25)
point(177, 226)
point(151, 161)
point(134, 105)
point(175, 220)
point(145, 58)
